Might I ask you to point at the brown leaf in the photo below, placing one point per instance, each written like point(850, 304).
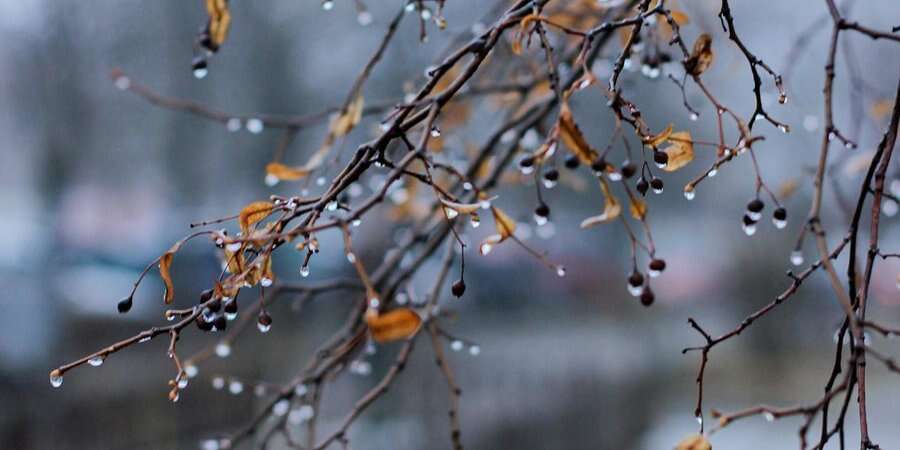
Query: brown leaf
point(253, 213)
point(219, 22)
point(463, 208)
point(680, 151)
point(659, 138)
point(572, 136)
point(694, 442)
point(638, 207)
point(348, 119)
point(394, 325)
point(611, 210)
point(701, 55)
point(165, 262)
point(286, 173)
point(505, 225)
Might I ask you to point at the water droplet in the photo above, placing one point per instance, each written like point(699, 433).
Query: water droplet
point(694, 116)
point(301, 390)
point(332, 206)
point(485, 248)
point(360, 367)
point(700, 420)
point(356, 222)
point(779, 223)
point(364, 18)
point(201, 73)
point(123, 82)
point(425, 14)
point(271, 180)
point(450, 212)
point(550, 184)
point(769, 416)
point(191, 370)
point(749, 229)
point(560, 271)
point(635, 291)
point(712, 173)
point(304, 271)
point(280, 408)
point(475, 221)
point(265, 282)
point(254, 125)
point(56, 378)
point(616, 176)
point(526, 170)
point(327, 5)
point(889, 208)
point(209, 444)
point(233, 247)
point(218, 383)
point(235, 387)
point(223, 349)
point(689, 193)
point(96, 361)
point(263, 327)
point(540, 220)
point(754, 215)
point(784, 128)
point(351, 257)
point(182, 382)
point(474, 350)
point(144, 339)
point(468, 186)
point(456, 345)
point(233, 124)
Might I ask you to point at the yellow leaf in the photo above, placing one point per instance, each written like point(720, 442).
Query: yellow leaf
point(219, 22)
point(660, 138)
point(253, 213)
point(286, 173)
point(638, 207)
point(165, 262)
point(880, 109)
point(611, 211)
point(573, 138)
point(680, 151)
point(505, 225)
point(694, 442)
point(394, 325)
point(680, 17)
point(348, 119)
point(701, 55)
point(462, 208)
point(788, 188)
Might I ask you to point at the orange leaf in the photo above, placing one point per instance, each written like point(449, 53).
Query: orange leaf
point(394, 325)
point(701, 55)
point(287, 173)
point(658, 139)
point(611, 210)
point(680, 151)
point(694, 442)
point(219, 21)
point(253, 213)
point(505, 225)
point(573, 138)
point(165, 262)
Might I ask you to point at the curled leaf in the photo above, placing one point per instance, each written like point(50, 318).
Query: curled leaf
point(462, 208)
point(680, 151)
point(348, 118)
point(694, 442)
point(286, 173)
point(253, 213)
point(165, 262)
point(505, 225)
point(701, 55)
point(638, 207)
point(573, 137)
point(659, 138)
point(394, 325)
point(611, 211)
point(217, 26)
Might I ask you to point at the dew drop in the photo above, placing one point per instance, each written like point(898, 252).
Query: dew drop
point(182, 382)
point(201, 73)
point(784, 128)
point(712, 173)
point(779, 223)
point(230, 315)
point(301, 390)
point(233, 247)
point(235, 387)
point(144, 339)
point(689, 193)
point(550, 184)
point(474, 350)
point(254, 125)
point(233, 124)
point(374, 302)
point(540, 220)
point(263, 327)
point(450, 212)
point(191, 370)
point(356, 222)
point(56, 378)
point(332, 206)
point(769, 416)
point(327, 5)
point(364, 18)
point(96, 361)
point(123, 82)
point(485, 248)
point(271, 180)
point(475, 221)
point(635, 291)
point(749, 229)
point(456, 345)
point(560, 271)
point(280, 408)
point(218, 383)
point(209, 444)
point(754, 215)
point(889, 208)
point(304, 271)
point(351, 257)
point(265, 282)
point(694, 117)
point(223, 349)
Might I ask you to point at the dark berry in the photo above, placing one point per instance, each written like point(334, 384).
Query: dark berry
point(458, 288)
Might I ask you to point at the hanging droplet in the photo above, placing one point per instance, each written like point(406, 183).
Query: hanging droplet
point(712, 173)
point(560, 271)
point(351, 257)
point(300, 390)
point(235, 387)
point(233, 124)
point(264, 322)
point(767, 415)
point(450, 212)
point(796, 257)
point(689, 192)
point(356, 222)
point(550, 184)
point(223, 349)
point(304, 271)
point(255, 125)
point(475, 221)
point(540, 220)
point(374, 302)
point(435, 132)
point(635, 290)
point(96, 361)
point(779, 218)
point(784, 128)
point(218, 383)
point(474, 350)
point(694, 116)
point(122, 82)
point(271, 180)
point(209, 444)
point(456, 345)
point(191, 370)
point(327, 5)
point(200, 71)
point(485, 248)
point(749, 226)
point(280, 408)
point(364, 18)
point(56, 378)
point(182, 382)
point(332, 206)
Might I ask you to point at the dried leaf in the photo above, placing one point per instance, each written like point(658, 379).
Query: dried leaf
point(611, 211)
point(253, 213)
point(506, 226)
point(701, 55)
point(788, 188)
point(165, 262)
point(348, 118)
point(638, 207)
point(694, 442)
point(659, 138)
point(572, 136)
point(218, 24)
point(394, 325)
point(880, 109)
point(680, 17)
point(680, 151)
point(463, 208)
point(286, 173)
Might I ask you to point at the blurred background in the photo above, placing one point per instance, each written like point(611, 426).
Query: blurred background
point(96, 182)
